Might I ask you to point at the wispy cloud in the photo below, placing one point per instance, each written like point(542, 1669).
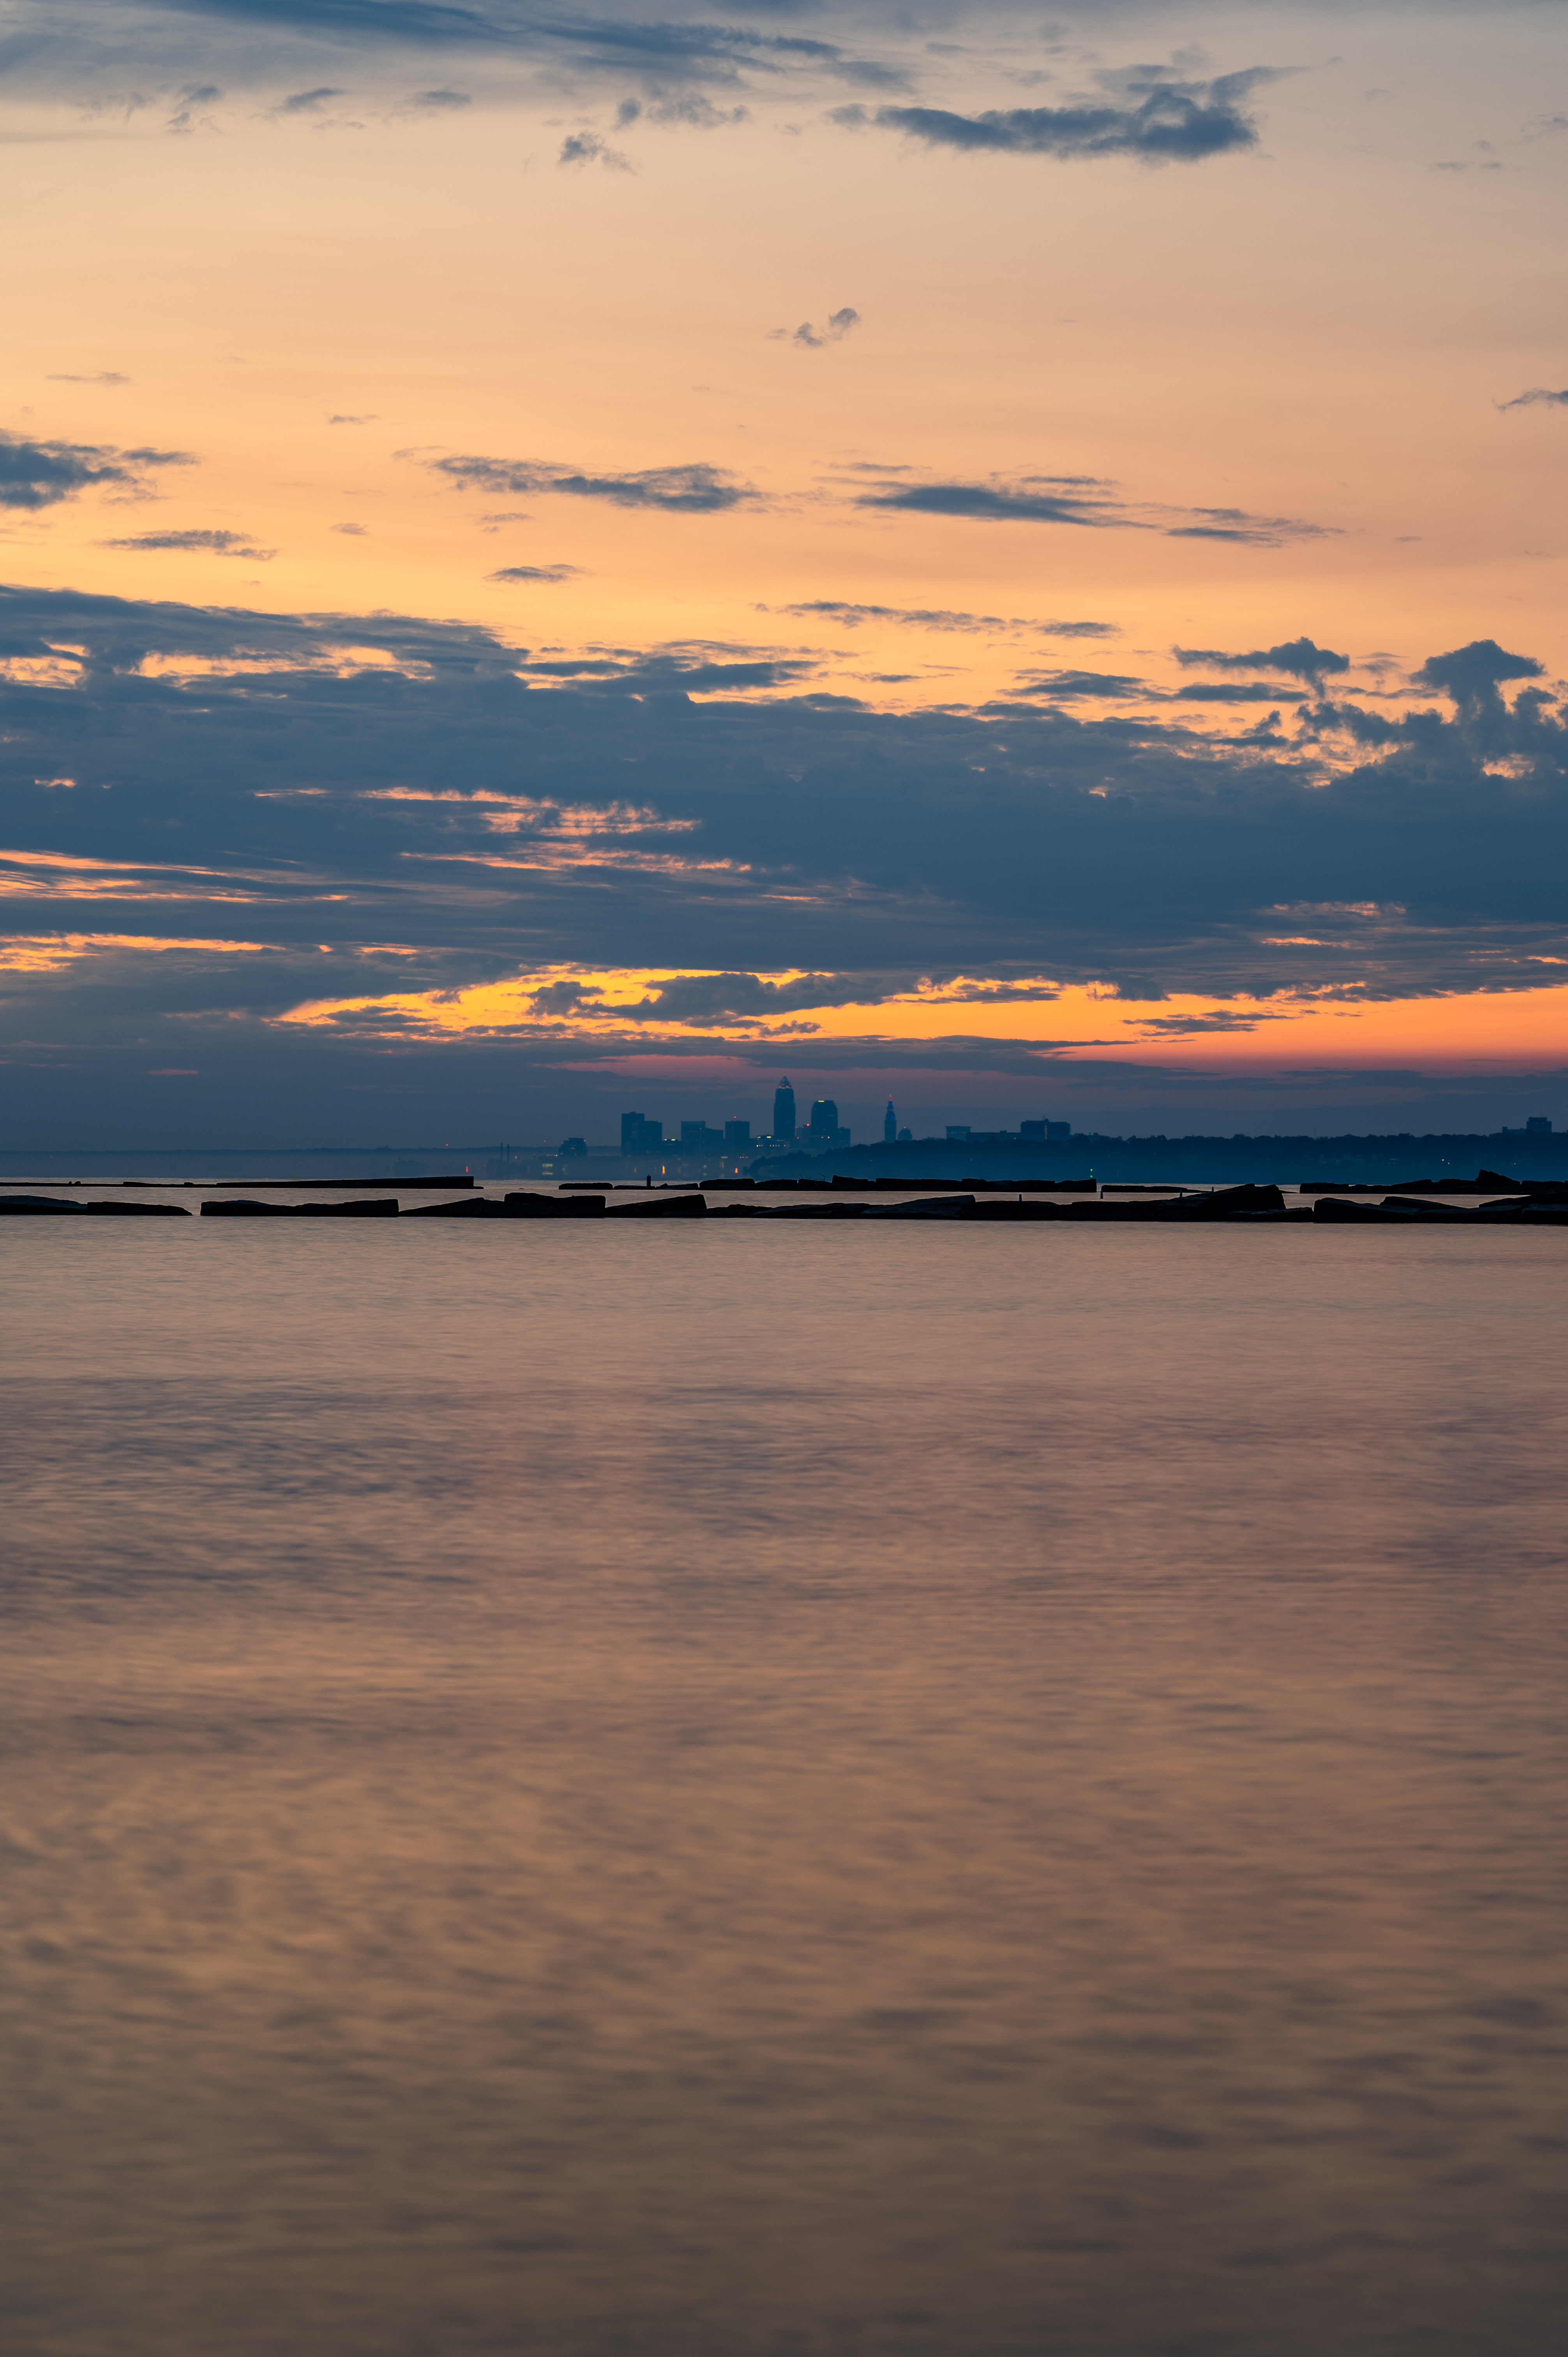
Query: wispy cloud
point(929, 618)
point(1172, 122)
point(1299, 659)
point(104, 376)
point(1539, 396)
point(1083, 501)
point(587, 148)
point(194, 543)
point(307, 102)
point(525, 573)
point(1033, 501)
point(42, 474)
point(838, 328)
point(1073, 684)
point(695, 489)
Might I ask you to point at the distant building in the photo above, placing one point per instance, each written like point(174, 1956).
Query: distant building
point(737, 1136)
point(641, 1137)
point(824, 1118)
point(783, 1113)
point(889, 1125)
point(1038, 1133)
point(905, 1137)
point(959, 1130)
point(696, 1137)
point(573, 1145)
point(1538, 1125)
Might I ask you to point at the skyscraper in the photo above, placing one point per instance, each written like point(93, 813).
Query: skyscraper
point(825, 1119)
point(891, 1125)
point(784, 1111)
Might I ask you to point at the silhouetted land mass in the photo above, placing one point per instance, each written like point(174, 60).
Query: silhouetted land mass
point(1278, 1161)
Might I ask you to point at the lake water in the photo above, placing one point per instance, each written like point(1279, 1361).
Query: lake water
point(788, 1791)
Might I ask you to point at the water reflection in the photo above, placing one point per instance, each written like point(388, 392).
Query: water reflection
point(782, 1790)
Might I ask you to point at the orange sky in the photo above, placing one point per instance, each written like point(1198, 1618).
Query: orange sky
point(344, 320)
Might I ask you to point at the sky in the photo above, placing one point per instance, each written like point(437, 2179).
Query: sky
point(555, 560)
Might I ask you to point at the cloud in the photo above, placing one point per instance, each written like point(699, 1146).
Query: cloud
point(1537, 395)
point(992, 502)
point(692, 490)
point(917, 617)
point(587, 148)
point(1299, 660)
point(937, 618)
point(1173, 123)
point(702, 807)
point(1255, 691)
point(42, 474)
point(544, 573)
point(1249, 531)
point(193, 95)
point(104, 376)
point(1473, 675)
point(1071, 684)
point(838, 327)
point(692, 111)
point(368, 418)
point(1082, 500)
point(207, 543)
point(307, 102)
point(413, 22)
point(351, 531)
point(440, 101)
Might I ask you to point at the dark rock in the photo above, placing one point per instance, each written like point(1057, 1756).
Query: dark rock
point(244, 1208)
point(35, 1206)
point(474, 1207)
point(381, 1207)
point(941, 1207)
point(652, 1205)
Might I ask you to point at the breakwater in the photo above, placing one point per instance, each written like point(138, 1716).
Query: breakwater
point(1544, 1205)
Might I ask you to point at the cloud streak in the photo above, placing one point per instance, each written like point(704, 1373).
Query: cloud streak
point(35, 475)
point(1084, 501)
point(1172, 123)
point(838, 327)
point(1299, 659)
point(549, 573)
point(695, 489)
point(193, 544)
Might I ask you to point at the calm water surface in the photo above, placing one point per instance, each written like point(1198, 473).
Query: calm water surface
point(784, 1792)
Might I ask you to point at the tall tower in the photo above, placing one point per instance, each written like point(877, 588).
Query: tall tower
point(784, 1111)
point(891, 1125)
